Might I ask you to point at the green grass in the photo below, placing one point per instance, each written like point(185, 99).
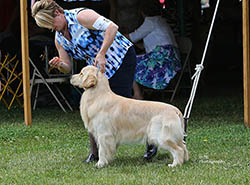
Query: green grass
point(52, 150)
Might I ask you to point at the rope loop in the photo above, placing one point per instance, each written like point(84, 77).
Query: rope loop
point(198, 69)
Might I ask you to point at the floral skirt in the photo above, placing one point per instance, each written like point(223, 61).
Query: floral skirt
point(156, 68)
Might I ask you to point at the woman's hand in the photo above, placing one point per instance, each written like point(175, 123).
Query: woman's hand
point(100, 60)
point(55, 62)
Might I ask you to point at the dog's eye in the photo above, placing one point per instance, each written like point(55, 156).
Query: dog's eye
point(80, 74)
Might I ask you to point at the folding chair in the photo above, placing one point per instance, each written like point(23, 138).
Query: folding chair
point(42, 76)
point(185, 47)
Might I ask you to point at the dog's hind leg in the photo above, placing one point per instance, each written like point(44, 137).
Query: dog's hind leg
point(176, 151)
point(107, 149)
point(171, 135)
point(183, 146)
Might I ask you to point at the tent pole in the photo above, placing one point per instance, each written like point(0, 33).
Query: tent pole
point(25, 62)
point(246, 64)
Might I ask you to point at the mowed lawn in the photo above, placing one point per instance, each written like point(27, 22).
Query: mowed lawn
point(53, 149)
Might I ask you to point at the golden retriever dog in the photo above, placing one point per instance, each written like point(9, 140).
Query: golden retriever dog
point(114, 120)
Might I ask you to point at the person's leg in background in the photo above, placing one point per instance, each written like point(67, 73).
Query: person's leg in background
point(122, 81)
point(93, 156)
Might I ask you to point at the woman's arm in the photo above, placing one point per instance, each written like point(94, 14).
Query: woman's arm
point(63, 62)
point(92, 20)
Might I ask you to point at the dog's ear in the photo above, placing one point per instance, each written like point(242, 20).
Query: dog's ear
point(90, 81)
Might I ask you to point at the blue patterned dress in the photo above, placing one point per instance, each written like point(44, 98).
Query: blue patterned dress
point(156, 68)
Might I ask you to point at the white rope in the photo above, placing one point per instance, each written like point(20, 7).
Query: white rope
point(198, 69)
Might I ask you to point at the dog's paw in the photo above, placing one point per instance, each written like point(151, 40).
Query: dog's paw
point(100, 164)
point(171, 165)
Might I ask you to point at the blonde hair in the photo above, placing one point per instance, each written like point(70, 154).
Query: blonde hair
point(43, 12)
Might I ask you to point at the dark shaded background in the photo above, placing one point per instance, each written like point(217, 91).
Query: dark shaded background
point(223, 62)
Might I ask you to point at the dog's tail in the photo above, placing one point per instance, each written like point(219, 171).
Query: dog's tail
point(180, 115)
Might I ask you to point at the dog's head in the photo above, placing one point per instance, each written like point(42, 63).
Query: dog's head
point(87, 78)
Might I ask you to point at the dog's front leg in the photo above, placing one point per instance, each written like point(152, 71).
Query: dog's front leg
point(106, 150)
